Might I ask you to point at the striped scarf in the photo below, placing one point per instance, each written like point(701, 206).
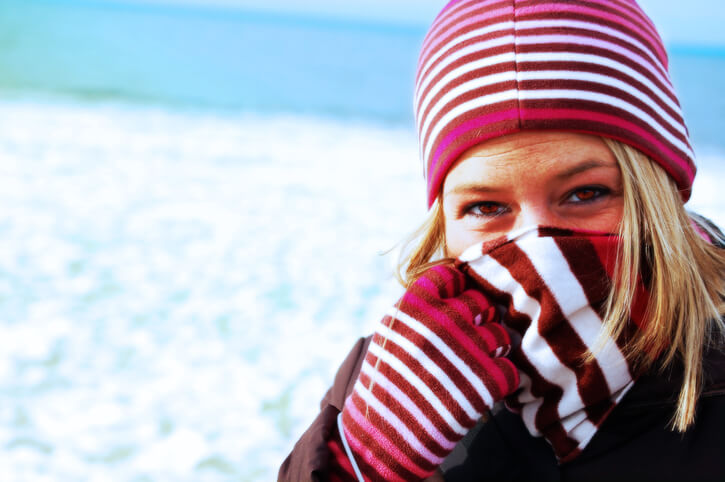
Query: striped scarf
point(553, 284)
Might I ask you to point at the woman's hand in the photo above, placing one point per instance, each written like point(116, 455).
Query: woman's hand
point(434, 367)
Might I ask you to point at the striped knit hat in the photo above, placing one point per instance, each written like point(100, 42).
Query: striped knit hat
point(489, 68)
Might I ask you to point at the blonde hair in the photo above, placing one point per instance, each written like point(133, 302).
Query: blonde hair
point(685, 275)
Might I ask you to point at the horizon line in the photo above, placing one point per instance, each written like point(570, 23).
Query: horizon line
point(314, 19)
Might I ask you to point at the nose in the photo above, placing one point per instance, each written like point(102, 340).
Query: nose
point(537, 215)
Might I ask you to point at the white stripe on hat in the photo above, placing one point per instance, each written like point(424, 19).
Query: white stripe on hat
point(470, 49)
point(535, 24)
point(552, 57)
point(450, 18)
point(465, 88)
point(608, 100)
point(608, 81)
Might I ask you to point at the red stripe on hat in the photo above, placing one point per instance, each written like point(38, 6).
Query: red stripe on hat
point(598, 88)
point(488, 42)
point(608, 72)
point(600, 50)
point(466, 60)
point(635, 16)
point(484, 14)
point(592, 13)
point(475, 96)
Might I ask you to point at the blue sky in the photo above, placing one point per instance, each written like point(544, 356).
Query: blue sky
point(694, 22)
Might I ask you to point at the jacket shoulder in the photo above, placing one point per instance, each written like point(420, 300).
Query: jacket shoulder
point(309, 458)
point(346, 375)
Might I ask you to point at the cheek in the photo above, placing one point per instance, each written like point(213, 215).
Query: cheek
point(608, 221)
point(459, 238)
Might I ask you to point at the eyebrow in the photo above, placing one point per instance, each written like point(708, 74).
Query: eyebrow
point(584, 166)
point(473, 187)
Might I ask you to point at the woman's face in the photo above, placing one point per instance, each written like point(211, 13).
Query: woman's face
point(555, 179)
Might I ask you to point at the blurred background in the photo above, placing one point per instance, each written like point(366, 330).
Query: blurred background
point(194, 199)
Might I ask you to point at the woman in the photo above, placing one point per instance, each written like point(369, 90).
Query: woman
point(558, 272)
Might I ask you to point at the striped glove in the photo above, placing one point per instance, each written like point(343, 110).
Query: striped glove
point(434, 367)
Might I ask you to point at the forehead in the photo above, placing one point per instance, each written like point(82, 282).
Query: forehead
point(535, 141)
point(530, 154)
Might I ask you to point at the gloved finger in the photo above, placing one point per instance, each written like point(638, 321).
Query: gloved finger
point(464, 311)
point(481, 309)
point(441, 281)
point(500, 377)
point(507, 377)
point(496, 340)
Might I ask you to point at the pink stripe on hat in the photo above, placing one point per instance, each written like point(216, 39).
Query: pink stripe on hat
point(455, 143)
point(678, 167)
point(633, 108)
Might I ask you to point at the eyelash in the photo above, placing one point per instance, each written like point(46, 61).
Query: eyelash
point(469, 209)
point(599, 192)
